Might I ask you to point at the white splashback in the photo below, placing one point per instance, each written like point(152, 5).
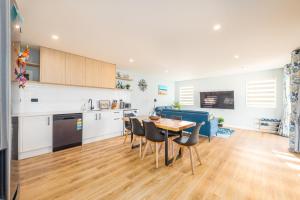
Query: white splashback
point(52, 98)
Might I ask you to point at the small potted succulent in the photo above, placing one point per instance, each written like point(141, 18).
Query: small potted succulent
point(127, 86)
point(220, 121)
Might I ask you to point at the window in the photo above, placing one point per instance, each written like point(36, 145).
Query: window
point(261, 94)
point(186, 96)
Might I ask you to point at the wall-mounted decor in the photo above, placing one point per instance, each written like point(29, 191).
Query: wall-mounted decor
point(142, 85)
point(20, 70)
point(104, 104)
point(162, 90)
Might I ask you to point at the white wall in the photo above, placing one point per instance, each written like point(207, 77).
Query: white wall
point(242, 116)
point(70, 98)
point(144, 100)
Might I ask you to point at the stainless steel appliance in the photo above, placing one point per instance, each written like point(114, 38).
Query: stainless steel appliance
point(127, 105)
point(67, 131)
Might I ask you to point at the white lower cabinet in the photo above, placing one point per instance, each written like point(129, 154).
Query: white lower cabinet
point(101, 125)
point(35, 135)
point(90, 125)
point(35, 132)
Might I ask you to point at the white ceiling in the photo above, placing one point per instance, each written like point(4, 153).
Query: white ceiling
point(172, 35)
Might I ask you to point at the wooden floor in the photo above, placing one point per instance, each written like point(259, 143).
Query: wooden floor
point(248, 165)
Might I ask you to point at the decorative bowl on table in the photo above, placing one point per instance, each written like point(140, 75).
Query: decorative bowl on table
point(154, 117)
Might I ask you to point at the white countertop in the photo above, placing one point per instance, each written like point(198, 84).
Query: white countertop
point(27, 114)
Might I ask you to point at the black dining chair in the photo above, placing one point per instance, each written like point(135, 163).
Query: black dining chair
point(189, 142)
point(127, 127)
point(138, 131)
point(153, 135)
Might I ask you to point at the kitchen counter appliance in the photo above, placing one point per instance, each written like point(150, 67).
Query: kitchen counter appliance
point(67, 131)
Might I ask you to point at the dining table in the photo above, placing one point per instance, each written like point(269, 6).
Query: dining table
point(167, 125)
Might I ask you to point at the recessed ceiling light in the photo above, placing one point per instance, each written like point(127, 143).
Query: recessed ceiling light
point(236, 56)
point(55, 37)
point(166, 71)
point(217, 27)
point(131, 60)
point(17, 26)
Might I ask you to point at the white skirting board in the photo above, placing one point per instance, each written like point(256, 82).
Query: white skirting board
point(102, 137)
point(33, 153)
point(240, 127)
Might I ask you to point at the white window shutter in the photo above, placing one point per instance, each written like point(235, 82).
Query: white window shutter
point(186, 96)
point(261, 94)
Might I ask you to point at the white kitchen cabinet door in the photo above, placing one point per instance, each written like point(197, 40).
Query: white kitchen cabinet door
point(105, 123)
point(117, 122)
point(90, 125)
point(36, 133)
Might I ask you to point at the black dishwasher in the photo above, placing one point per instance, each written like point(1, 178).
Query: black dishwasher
point(67, 131)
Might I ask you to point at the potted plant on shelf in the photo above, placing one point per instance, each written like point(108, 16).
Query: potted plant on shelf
point(177, 105)
point(220, 121)
point(127, 86)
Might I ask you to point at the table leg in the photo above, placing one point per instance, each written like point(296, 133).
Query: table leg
point(180, 149)
point(166, 149)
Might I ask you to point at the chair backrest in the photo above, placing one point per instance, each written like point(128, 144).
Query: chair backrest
point(194, 137)
point(128, 123)
point(152, 133)
point(176, 117)
point(137, 128)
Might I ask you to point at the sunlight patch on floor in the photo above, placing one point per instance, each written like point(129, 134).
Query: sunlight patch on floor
point(283, 153)
point(293, 166)
point(289, 158)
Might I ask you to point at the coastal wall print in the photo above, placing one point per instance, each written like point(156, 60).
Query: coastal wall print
point(162, 90)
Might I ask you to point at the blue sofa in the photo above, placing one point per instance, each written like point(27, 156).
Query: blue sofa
point(209, 129)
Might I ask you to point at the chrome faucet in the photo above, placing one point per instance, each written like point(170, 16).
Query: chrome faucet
point(91, 105)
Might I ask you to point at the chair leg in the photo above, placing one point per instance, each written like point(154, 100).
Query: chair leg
point(172, 144)
point(198, 155)
point(151, 148)
point(133, 138)
point(126, 135)
point(156, 154)
point(141, 142)
point(192, 161)
point(145, 150)
point(175, 158)
point(160, 147)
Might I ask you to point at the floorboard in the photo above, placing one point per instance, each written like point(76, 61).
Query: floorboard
point(248, 165)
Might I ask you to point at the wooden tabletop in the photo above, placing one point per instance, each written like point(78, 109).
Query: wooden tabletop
point(168, 124)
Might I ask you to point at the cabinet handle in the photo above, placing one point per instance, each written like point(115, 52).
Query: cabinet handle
point(117, 112)
point(96, 116)
point(100, 116)
point(48, 121)
point(116, 118)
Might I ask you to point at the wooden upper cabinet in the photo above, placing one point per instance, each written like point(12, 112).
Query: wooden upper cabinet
point(75, 70)
point(52, 66)
point(92, 72)
point(108, 75)
point(69, 69)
